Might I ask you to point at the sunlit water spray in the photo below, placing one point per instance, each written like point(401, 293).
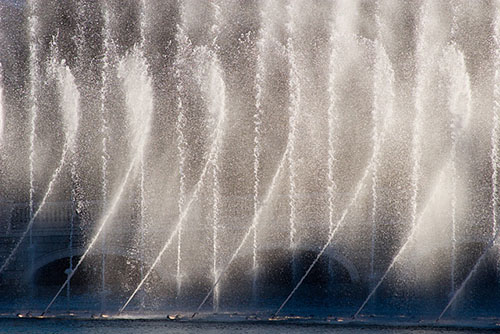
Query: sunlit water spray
point(272, 106)
point(215, 231)
point(416, 149)
point(459, 104)
point(339, 223)
point(422, 67)
point(71, 229)
point(70, 100)
point(255, 222)
point(132, 70)
point(216, 109)
point(494, 160)
point(147, 104)
point(252, 230)
point(180, 221)
point(270, 191)
point(2, 109)
point(384, 73)
point(139, 99)
point(376, 148)
point(333, 128)
point(257, 122)
point(293, 111)
point(495, 132)
point(493, 243)
point(69, 104)
point(459, 98)
point(103, 222)
point(494, 156)
point(408, 242)
point(181, 146)
point(425, 52)
point(180, 124)
point(383, 83)
point(104, 94)
point(213, 88)
point(34, 77)
point(341, 32)
point(253, 227)
point(453, 127)
point(216, 93)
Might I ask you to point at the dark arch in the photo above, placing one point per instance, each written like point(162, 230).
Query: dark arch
point(65, 253)
point(330, 253)
point(279, 269)
point(345, 262)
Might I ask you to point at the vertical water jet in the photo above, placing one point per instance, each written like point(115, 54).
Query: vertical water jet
point(107, 46)
point(255, 222)
point(133, 71)
point(453, 128)
point(143, 21)
point(333, 128)
point(321, 77)
point(213, 91)
point(217, 93)
point(376, 118)
point(70, 102)
point(383, 83)
point(103, 222)
point(259, 84)
point(34, 81)
point(495, 131)
point(421, 62)
point(459, 99)
point(294, 103)
point(459, 107)
point(383, 100)
point(71, 234)
point(183, 44)
point(2, 109)
point(342, 29)
point(216, 111)
point(407, 243)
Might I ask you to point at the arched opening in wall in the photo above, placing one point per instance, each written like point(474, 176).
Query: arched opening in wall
point(52, 275)
point(333, 281)
point(121, 276)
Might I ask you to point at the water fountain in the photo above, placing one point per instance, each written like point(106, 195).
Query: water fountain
point(108, 54)
point(2, 112)
point(252, 157)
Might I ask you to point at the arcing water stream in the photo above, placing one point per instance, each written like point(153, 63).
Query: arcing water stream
point(211, 153)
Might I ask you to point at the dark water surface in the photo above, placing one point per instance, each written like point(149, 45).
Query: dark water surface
point(52, 326)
